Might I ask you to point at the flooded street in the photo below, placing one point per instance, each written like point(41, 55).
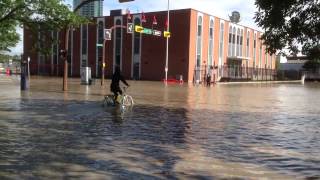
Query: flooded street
point(239, 131)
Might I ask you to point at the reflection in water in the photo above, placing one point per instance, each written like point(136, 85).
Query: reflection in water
point(173, 132)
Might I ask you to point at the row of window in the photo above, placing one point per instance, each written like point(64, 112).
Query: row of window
point(235, 46)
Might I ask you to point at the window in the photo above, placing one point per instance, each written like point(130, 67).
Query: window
point(248, 44)
point(254, 49)
point(84, 45)
point(118, 43)
point(100, 40)
point(230, 42)
point(233, 41)
point(260, 55)
point(199, 41)
point(238, 42)
point(211, 35)
point(241, 42)
point(267, 63)
point(221, 40)
point(137, 38)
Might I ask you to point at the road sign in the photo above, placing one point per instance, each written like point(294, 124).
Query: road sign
point(130, 28)
point(156, 33)
point(107, 34)
point(166, 34)
point(139, 29)
point(147, 31)
point(99, 45)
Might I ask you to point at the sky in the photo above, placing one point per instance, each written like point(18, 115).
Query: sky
point(219, 8)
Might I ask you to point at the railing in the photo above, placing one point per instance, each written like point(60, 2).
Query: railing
point(234, 73)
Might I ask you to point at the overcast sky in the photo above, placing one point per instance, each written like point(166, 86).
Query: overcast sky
point(219, 8)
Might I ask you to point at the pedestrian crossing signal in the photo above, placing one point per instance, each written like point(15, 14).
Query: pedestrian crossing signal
point(139, 29)
point(167, 34)
point(107, 34)
point(130, 28)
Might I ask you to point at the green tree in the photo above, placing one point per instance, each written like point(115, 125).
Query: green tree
point(292, 24)
point(36, 15)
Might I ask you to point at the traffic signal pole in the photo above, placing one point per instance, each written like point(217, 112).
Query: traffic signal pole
point(103, 62)
point(167, 47)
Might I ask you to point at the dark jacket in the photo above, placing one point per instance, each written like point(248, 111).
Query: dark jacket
point(116, 78)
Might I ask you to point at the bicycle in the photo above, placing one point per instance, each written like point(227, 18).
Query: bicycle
point(123, 100)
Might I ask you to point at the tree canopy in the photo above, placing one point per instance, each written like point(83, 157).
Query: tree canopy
point(292, 24)
point(50, 15)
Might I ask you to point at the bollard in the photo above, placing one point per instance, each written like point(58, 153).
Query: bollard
point(24, 82)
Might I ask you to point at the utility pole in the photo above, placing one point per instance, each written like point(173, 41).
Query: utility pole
point(167, 47)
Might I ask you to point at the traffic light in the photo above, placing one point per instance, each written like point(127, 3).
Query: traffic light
point(139, 29)
point(107, 34)
point(167, 34)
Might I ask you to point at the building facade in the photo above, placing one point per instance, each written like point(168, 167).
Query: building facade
point(199, 44)
point(92, 9)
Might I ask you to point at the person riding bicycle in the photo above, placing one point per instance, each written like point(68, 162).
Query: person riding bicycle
point(115, 87)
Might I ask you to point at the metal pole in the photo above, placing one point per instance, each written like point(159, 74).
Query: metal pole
point(103, 62)
point(167, 47)
point(65, 74)
point(29, 69)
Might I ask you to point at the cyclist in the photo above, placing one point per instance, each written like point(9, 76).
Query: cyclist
point(115, 87)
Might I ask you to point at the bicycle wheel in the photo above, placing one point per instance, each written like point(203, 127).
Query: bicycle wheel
point(108, 100)
point(127, 101)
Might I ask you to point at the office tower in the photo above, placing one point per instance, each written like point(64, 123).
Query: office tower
point(92, 9)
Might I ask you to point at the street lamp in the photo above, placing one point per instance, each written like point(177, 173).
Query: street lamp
point(167, 47)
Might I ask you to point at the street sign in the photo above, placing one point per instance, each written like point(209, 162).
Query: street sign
point(99, 45)
point(130, 28)
point(139, 29)
point(147, 31)
point(156, 33)
point(166, 34)
point(107, 34)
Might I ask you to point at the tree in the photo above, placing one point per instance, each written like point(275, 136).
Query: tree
point(292, 24)
point(36, 15)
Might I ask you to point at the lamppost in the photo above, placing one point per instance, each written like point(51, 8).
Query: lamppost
point(167, 47)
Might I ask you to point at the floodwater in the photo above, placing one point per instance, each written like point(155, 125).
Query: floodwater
point(247, 131)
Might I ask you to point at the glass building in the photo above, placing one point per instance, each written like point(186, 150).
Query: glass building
point(92, 9)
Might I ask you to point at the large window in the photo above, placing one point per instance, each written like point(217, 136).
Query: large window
point(136, 38)
point(118, 34)
point(230, 42)
point(199, 41)
point(84, 47)
point(210, 58)
point(221, 40)
point(248, 44)
point(267, 63)
point(234, 41)
point(241, 42)
point(238, 42)
point(254, 49)
point(100, 40)
point(260, 55)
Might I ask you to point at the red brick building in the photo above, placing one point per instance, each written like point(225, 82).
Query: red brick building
point(198, 41)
